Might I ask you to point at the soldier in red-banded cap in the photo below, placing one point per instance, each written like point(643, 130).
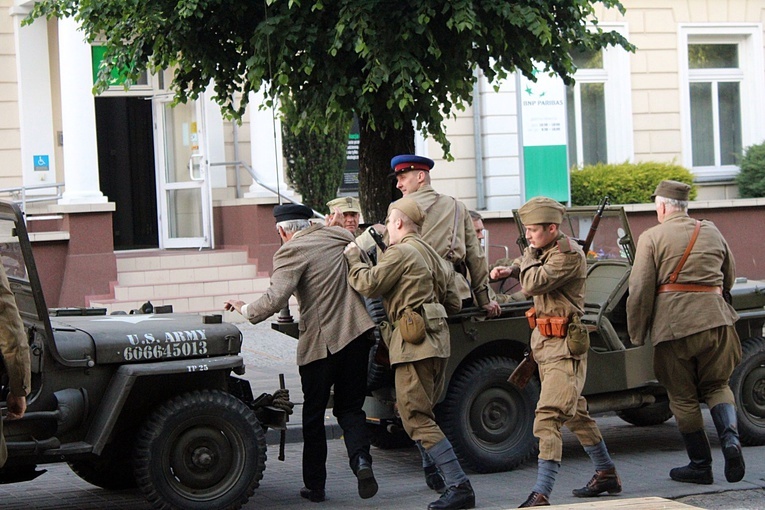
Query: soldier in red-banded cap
point(679, 304)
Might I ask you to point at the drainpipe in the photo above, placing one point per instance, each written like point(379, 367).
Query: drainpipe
point(480, 192)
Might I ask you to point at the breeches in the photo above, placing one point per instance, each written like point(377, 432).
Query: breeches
point(561, 402)
point(418, 385)
point(697, 369)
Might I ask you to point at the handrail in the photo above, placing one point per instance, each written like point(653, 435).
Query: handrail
point(251, 171)
point(22, 192)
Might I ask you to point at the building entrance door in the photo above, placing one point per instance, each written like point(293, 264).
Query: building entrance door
point(184, 195)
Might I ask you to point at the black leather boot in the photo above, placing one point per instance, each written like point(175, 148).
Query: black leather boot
point(366, 478)
point(699, 470)
point(456, 497)
point(724, 416)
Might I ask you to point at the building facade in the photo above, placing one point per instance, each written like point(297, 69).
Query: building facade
point(127, 170)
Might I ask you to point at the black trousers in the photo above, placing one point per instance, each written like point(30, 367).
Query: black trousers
point(347, 371)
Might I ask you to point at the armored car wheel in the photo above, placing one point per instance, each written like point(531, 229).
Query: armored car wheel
point(748, 385)
point(647, 416)
point(200, 450)
point(112, 470)
point(488, 420)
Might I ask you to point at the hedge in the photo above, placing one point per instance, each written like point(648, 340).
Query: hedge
point(624, 183)
point(751, 179)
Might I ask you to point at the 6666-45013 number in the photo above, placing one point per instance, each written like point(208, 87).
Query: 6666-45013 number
point(158, 351)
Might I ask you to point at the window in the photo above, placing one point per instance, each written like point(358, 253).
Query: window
point(721, 72)
point(598, 107)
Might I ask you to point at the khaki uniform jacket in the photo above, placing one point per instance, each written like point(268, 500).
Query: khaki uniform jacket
point(14, 348)
point(403, 277)
point(437, 231)
point(673, 315)
point(555, 276)
point(311, 266)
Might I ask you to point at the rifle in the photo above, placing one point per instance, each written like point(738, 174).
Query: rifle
point(524, 371)
point(595, 223)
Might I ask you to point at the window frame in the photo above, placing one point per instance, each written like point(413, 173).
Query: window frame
point(617, 89)
point(749, 74)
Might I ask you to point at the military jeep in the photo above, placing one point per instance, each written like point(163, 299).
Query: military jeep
point(146, 400)
point(489, 421)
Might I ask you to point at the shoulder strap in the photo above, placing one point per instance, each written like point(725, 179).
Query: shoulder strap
point(676, 272)
point(436, 290)
point(450, 253)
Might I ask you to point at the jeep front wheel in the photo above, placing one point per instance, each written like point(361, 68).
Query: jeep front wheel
point(647, 416)
point(201, 450)
point(488, 420)
point(748, 385)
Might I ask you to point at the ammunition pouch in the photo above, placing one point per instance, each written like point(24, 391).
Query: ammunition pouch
point(412, 326)
point(577, 337)
point(531, 316)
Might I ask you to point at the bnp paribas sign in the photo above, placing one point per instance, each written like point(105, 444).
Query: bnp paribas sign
point(543, 131)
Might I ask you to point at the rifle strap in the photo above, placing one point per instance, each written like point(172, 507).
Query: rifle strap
point(676, 272)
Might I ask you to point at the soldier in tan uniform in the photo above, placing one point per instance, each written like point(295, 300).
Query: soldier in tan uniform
point(15, 351)
point(345, 212)
point(448, 228)
point(681, 307)
point(553, 270)
point(411, 275)
point(333, 346)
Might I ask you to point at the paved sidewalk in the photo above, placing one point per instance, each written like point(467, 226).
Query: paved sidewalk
point(644, 456)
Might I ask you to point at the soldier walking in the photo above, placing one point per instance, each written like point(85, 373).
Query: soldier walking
point(412, 279)
point(683, 269)
point(553, 270)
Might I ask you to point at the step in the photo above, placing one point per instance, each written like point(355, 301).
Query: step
point(225, 285)
point(156, 259)
point(188, 274)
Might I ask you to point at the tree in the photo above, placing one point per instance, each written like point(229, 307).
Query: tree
point(394, 63)
point(315, 161)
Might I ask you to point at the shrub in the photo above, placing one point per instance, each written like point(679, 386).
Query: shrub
point(751, 179)
point(624, 183)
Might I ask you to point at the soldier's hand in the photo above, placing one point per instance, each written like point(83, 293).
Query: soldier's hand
point(492, 309)
point(17, 406)
point(501, 272)
point(351, 248)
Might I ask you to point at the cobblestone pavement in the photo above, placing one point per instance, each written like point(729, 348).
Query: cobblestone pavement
point(643, 456)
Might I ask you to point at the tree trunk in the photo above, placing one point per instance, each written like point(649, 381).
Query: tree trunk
point(376, 148)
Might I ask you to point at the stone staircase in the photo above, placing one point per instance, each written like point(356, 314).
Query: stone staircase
point(192, 281)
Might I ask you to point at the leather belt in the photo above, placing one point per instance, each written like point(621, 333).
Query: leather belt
point(688, 287)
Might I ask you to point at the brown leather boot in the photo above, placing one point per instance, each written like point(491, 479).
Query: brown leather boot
point(603, 481)
point(535, 499)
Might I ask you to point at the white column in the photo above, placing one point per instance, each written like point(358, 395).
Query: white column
point(266, 150)
point(38, 164)
point(78, 115)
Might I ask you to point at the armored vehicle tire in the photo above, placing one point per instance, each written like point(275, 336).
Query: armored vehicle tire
point(200, 450)
point(384, 439)
point(488, 420)
point(112, 470)
point(748, 385)
point(647, 416)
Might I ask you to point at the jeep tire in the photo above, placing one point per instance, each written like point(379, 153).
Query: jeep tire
point(488, 420)
point(748, 385)
point(200, 450)
point(647, 416)
point(112, 470)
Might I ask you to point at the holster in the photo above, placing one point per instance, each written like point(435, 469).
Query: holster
point(524, 371)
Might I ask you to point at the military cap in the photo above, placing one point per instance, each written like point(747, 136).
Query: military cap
point(286, 212)
point(406, 162)
point(345, 204)
point(672, 189)
point(541, 210)
point(410, 208)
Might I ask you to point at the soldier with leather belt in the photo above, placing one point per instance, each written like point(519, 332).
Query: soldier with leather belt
point(683, 268)
point(15, 354)
point(414, 281)
point(553, 270)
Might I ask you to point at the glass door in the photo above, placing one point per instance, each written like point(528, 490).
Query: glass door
point(185, 205)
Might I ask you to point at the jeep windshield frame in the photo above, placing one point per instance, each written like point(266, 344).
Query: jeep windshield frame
point(613, 238)
point(19, 264)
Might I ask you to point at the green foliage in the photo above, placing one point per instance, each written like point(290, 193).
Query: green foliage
point(315, 161)
point(624, 183)
point(751, 179)
point(391, 62)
